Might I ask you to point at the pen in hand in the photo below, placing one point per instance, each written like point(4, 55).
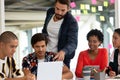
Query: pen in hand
point(95, 70)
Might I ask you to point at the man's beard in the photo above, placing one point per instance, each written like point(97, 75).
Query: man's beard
point(58, 17)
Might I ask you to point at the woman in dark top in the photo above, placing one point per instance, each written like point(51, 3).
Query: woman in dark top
point(114, 68)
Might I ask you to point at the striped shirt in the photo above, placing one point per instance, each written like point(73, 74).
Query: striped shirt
point(8, 69)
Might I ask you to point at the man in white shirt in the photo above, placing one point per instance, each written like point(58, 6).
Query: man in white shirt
point(8, 67)
point(62, 30)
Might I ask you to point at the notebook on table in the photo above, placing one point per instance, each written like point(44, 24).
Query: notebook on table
point(50, 70)
point(92, 68)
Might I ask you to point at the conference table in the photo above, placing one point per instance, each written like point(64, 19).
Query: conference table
point(106, 78)
point(94, 79)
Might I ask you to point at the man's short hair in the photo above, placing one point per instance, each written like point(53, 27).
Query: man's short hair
point(7, 36)
point(39, 37)
point(66, 2)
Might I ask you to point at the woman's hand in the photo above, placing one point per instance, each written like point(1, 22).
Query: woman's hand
point(112, 74)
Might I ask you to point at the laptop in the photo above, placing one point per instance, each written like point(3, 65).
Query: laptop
point(50, 70)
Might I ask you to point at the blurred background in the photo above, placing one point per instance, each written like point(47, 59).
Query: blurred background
point(26, 17)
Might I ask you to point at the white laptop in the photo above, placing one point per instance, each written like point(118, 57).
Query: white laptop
point(50, 70)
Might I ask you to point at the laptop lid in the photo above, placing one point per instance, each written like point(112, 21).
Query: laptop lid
point(50, 70)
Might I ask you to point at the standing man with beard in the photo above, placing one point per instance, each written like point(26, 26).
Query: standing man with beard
point(62, 30)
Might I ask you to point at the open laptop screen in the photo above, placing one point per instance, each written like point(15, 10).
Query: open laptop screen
point(50, 70)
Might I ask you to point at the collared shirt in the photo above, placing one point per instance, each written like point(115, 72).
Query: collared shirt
point(9, 69)
point(30, 61)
